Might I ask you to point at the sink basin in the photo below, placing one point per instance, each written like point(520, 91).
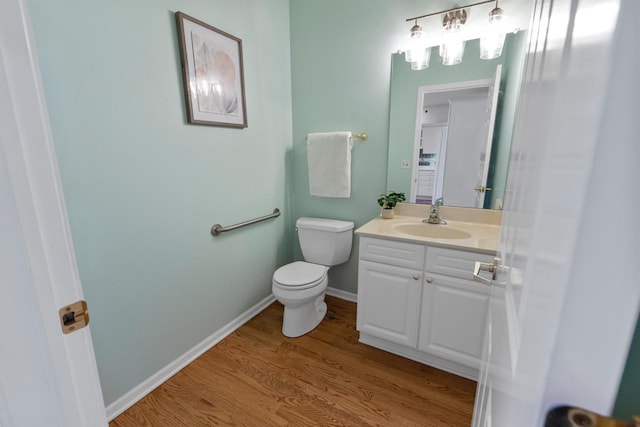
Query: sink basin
point(433, 231)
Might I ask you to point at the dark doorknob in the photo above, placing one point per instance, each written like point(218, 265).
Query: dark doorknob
point(569, 416)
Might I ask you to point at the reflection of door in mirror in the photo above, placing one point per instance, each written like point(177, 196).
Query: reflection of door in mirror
point(404, 119)
point(454, 133)
point(466, 145)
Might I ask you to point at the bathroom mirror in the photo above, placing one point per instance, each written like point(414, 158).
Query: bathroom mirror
point(414, 121)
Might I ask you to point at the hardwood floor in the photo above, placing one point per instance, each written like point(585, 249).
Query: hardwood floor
point(258, 377)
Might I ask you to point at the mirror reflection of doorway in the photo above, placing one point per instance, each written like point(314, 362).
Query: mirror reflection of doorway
point(454, 134)
point(431, 155)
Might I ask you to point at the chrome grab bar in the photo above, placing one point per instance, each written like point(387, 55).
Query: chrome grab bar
point(218, 229)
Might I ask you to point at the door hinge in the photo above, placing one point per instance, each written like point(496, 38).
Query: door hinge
point(74, 316)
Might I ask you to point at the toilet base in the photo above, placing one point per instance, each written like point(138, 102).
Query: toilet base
point(302, 319)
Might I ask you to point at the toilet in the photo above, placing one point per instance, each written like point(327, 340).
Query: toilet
point(300, 286)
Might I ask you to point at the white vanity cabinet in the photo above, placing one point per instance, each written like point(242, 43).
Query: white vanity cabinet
point(389, 290)
point(420, 301)
point(454, 307)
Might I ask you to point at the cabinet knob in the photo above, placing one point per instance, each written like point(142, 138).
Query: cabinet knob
point(416, 277)
point(429, 280)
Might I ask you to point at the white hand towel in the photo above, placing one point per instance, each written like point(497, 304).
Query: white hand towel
point(329, 159)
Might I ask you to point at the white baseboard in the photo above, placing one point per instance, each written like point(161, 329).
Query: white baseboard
point(147, 386)
point(339, 293)
point(144, 388)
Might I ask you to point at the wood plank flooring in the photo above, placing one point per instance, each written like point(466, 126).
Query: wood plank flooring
point(258, 377)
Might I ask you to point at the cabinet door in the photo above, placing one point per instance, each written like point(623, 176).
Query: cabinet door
point(453, 318)
point(389, 302)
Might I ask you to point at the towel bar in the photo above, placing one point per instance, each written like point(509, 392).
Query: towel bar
point(218, 229)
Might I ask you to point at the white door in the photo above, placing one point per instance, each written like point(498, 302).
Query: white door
point(467, 143)
point(46, 378)
point(565, 302)
point(485, 154)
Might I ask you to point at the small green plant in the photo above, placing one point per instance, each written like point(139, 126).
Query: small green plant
point(390, 200)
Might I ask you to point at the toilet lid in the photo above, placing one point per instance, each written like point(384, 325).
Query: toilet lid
point(299, 273)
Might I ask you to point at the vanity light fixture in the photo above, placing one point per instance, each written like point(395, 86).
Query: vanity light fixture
point(452, 47)
point(453, 38)
point(492, 39)
point(418, 54)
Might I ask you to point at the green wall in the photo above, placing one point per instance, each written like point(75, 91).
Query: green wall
point(341, 62)
point(403, 102)
point(341, 69)
point(143, 187)
point(628, 401)
point(512, 69)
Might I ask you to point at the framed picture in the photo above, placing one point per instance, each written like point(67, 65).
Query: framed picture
point(212, 72)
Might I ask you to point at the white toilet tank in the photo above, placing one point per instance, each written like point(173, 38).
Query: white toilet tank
point(325, 241)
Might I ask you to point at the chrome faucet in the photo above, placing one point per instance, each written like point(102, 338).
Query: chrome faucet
point(434, 213)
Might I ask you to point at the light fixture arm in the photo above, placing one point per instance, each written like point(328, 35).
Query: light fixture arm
point(415, 18)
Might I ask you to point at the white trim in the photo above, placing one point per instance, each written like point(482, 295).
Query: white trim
point(339, 293)
point(494, 92)
point(453, 87)
point(52, 280)
point(147, 386)
point(151, 383)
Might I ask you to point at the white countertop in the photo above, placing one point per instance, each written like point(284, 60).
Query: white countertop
point(484, 235)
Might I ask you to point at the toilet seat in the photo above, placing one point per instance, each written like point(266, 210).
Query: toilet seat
point(300, 275)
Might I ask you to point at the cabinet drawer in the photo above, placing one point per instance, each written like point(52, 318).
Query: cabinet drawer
point(392, 252)
point(426, 180)
point(454, 263)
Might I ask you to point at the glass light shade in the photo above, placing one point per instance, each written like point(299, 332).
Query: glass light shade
point(492, 40)
point(452, 47)
point(491, 45)
point(420, 62)
point(417, 53)
point(413, 42)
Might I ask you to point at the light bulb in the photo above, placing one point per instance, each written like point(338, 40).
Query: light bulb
point(420, 63)
point(492, 40)
point(452, 47)
point(417, 53)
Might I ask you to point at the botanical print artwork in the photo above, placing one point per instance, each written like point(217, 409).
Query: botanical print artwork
point(215, 75)
point(212, 72)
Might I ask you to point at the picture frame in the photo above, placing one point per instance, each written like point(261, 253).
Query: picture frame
point(212, 74)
